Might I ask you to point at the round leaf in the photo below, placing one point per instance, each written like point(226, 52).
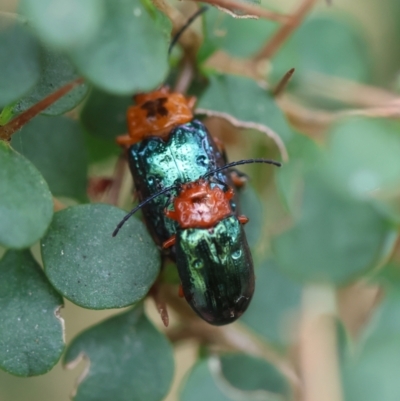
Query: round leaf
point(20, 66)
point(274, 304)
point(234, 377)
point(64, 23)
point(371, 372)
point(238, 37)
point(104, 115)
point(363, 156)
point(319, 46)
point(26, 205)
point(129, 360)
point(90, 267)
point(57, 71)
point(251, 374)
point(245, 104)
point(334, 239)
point(56, 147)
point(128, 53)
point(31, 335)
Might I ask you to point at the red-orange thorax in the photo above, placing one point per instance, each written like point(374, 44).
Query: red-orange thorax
point(200, 206)
point(157, 113)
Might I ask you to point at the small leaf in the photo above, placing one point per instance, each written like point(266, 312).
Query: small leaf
point(20, 55)
point(56, 147)
point(56, 72)
point(64, 23)
point(26, 206)
point(129, 360)
point(335, 238)
point(104, 115)
point(245, 104)
point(128, 53)
point(250, 374)
point(276, 300)
point(225, 379)
point(31, 335)
point(90, 267)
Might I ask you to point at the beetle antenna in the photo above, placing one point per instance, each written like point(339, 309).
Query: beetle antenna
point(135, 209)
point(238, 163)
point(183, 29)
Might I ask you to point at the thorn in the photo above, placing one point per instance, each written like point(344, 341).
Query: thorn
point(283, 83)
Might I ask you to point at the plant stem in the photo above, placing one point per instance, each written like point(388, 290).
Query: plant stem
point(18, 122)
point(285, 31)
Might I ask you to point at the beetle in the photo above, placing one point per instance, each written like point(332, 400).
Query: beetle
point(167, 146)
point(212, 255)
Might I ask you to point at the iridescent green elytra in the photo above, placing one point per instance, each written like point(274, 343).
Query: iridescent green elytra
point(216, 270)
point(189, 153)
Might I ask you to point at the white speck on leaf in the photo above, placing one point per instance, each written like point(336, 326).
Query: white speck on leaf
point(137, 12)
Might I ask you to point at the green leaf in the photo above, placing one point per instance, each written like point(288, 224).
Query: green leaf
point(129, 360)
point(335, 238)
point(64, 23)
point(55, 145)
point(310, 51)
point(104, 115)
point(250, 374)
point(363, 157)
point(100, 149)
point(303, 156)
point(20, 55)
point(274, 305)
point(238, 37)
point(371, 372)
point(251, 207)
point(128, 53)
point(90, 267)
point(26, 205)
point(57, 71)
point(31, 335)
point(234, 377)
point(245, 104)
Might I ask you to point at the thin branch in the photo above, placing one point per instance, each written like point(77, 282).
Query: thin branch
point(252, 10)
point(285, 31)
point(14, 125)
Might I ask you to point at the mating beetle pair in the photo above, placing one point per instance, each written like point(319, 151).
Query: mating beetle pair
point(187, 197)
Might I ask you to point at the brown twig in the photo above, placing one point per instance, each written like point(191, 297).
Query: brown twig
point(14, 125)
point(252, 10)
point(285, 31)
point(283, 82)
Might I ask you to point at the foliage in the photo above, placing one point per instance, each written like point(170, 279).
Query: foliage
point(321, 225)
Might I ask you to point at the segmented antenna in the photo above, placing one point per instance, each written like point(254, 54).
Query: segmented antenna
point(183, 29)
point(135, 209)
point(240, 162)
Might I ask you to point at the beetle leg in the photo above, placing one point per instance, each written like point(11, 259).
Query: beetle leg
point(239, 179)
point(125, 140)
point(160, 303)
point(180, 291)
point(169, 242)
point(243, 219)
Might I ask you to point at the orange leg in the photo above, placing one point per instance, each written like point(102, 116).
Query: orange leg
point(169, 242)
point(125, 140)
point(243, 219)
point(238, 181)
